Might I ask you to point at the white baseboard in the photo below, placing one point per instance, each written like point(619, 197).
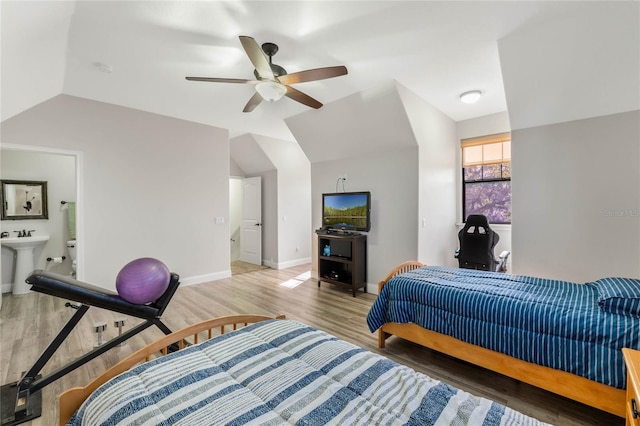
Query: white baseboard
point(288, 264)
point(372, 288)
point(205, 278)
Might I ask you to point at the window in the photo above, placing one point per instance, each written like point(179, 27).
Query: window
point(486, 177)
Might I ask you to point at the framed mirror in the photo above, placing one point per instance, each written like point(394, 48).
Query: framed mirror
point(24, 199)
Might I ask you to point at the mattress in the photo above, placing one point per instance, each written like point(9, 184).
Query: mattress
point(283, 372)
point(553, 323)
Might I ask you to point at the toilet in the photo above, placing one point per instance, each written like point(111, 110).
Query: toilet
point(72, 249)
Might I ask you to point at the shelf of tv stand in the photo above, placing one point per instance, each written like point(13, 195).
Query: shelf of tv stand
point(336, 259)
point(347, 269)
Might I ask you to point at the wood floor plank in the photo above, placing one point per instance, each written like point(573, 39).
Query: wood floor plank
point(29, 322)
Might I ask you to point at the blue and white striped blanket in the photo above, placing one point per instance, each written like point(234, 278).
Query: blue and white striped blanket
point(283, 372)
point(557, 324)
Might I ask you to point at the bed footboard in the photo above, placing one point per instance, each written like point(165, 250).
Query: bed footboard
point(400, 269)
point(71, 399)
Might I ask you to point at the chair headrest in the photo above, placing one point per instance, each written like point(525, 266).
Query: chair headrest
point(477, 220)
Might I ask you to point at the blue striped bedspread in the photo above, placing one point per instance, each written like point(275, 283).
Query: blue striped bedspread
point(556, 324)
point(283, 372)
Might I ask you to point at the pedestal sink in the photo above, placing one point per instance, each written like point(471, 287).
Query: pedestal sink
point(24, 258)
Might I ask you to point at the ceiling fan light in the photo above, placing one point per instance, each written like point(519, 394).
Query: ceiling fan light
point(271, 91)
point(471, 96)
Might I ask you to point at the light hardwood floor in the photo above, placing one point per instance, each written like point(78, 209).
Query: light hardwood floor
point(240, 267)
point(29, 322)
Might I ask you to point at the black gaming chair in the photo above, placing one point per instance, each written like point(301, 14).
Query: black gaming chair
point(477, 241)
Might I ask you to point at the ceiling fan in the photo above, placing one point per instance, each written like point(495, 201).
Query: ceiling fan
point(272, 81)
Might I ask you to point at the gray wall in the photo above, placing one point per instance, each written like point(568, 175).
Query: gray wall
point(392, 179)
point(392, 143)
point(576, 198)
point(151, 185)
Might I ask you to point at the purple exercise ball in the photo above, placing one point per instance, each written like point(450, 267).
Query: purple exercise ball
point(143, 280)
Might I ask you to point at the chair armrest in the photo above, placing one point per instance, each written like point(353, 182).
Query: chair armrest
point(502, 262)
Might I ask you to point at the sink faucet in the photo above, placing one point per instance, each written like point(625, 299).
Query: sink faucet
point(28, 234)
point(4, 235)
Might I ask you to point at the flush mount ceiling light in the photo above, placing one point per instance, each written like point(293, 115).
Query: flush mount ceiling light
point(471, 96)
point(271, 91)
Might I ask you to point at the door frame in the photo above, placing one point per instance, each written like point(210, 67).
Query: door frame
point(80, 270)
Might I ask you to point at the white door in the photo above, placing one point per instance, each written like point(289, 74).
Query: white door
point(251, 228)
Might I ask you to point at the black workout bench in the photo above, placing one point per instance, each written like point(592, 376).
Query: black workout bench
point(22, 400)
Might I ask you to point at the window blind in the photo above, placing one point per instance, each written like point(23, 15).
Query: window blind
point(492, 149)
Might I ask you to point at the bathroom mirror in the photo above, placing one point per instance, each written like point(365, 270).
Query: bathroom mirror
point(24, 199)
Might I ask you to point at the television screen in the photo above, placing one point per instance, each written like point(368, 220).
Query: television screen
point(347, 210)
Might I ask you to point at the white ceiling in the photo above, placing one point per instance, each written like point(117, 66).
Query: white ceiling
point(437, 49)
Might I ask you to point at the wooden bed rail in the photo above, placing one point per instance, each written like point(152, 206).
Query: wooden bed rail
point(71, 399)
point(569, 385)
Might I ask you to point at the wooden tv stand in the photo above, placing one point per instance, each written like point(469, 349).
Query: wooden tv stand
point(345, 261)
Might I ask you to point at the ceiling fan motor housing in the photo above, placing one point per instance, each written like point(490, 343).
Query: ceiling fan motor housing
point(271, 49)
point(277, 71)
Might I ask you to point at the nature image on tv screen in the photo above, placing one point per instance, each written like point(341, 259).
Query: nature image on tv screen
point(345, 211)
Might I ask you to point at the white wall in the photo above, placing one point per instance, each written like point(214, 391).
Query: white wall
point(293, 197)
point(270, 218)
point(235, 216)
point(59, 173)
point(33, 34)
point(482, 126)
point(573, 66)
point(436, 137)
point(286, 196)
point(139, 174)
point(234, 169)
point(576, 198)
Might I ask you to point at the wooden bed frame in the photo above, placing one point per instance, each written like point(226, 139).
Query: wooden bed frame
point(569, 385)
point(71, 399)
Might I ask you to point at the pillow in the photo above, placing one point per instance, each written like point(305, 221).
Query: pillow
point(619, 295)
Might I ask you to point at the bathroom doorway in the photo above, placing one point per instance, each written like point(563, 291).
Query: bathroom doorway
point(62, 170)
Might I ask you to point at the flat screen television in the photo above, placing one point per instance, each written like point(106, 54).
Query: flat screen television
point(348, 211)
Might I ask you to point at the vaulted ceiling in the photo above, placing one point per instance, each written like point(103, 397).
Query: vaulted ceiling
point(542, 61)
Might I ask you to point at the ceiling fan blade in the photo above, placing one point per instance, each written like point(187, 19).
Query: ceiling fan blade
point(223, 80)
point(313, 75)
point(303, 98)
point(257, 57)
point(253, 102)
